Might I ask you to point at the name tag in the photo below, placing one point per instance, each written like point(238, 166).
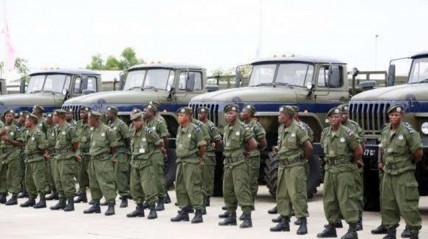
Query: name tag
point(142, 150)
point(154, 127)
point(342, 140)
point(189, 135)
point(293, 135)
point(144, 139)
point(237, 133)
point(32, 138)
point(103, 134)
point(53, 134)
point(114, 128)
point(11, 133)
point(400, 137)
point(63, 132)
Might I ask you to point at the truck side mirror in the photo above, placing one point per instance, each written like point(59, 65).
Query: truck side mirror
point(334, 76)
point(391, 75)
point(22, 86)
point(171, 91)
point(239, 77)
point(121, 80)
point(66, 94)
point(190, 84)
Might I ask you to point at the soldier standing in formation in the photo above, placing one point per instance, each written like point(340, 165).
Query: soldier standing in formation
point(189, 182)
point(238, 144)
point(294, 149)
point(50, 164)
point(22, 132)
point(38, 112)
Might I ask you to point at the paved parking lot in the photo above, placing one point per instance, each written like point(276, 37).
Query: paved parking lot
point(16, 222)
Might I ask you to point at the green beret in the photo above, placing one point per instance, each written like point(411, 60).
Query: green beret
point(295, 108)
point(250, 108)
point(137, 116)
point(59, 112)
point(87, 108)
point(24, 113)
point(203, 110)
point(39, 108)
point(344, 108)
point(9, 111)
point(113, 109)
point(185, 110)
point(286, 109)
point(95, 115)
point(33, 117)
point(231, 107)
point(151, 107)
point(396, 108)
point(155, 103)
point(334, 110)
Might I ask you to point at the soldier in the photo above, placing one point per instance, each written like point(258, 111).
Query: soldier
point(238, 144)
point(35, 167)
point(294, 149)
point(83, 132)
point(22, 131)
point(121, 164)
point(101, 169)
point(50, 164)
point(69, 117)
point(38, 111)
point(209, 168)
point(144, 141)
point(158, 125)
point(10, 144)
point(342, 150)
point(189, 184)
point(401, 150)
point(247, 116)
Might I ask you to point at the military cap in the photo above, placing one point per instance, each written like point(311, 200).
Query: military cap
point(295, 108)
point(113, 109)
point(33, 117)
point(59, 112)
point(396, 108)
point(155, 103)
point(185, 110)
point(231, 107)
point(95, 115)
point(69, 110)
point(151, 107)
point(87, 108)
point(250, 108)
point(39, 108)
point(344, 108)
point(335, 110)
point(136, 110)
point(24, 113)
point(9, 111)
point(49, 115)
point(137, 116)
point(203, 110)
point(286, 109)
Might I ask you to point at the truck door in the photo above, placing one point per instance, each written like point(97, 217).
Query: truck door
point(331, 86)
point(190, 84)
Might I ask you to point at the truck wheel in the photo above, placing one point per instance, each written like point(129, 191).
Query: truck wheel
point(218, 175)
point(271, 174)
point(170, 168)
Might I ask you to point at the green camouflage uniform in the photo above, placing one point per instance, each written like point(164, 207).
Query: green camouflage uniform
point(340, 194)
point(10, 162)
point(101, 170)
point(83, 133)
point(210, 162)
point(51, 138)
point(207, 138)
point(292, 175)
point(400, 195)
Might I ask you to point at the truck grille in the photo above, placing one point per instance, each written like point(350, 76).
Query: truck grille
point(213, 116)
point(371, 116)
point(76, 109)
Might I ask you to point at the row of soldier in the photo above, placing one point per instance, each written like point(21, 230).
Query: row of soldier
point(114, 158)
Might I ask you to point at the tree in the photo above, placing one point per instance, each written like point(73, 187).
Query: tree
point(97, 63)
point(129, 58)
point(112, 64)
point(21, 65)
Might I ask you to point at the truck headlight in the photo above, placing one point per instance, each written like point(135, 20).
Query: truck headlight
point(424, 128)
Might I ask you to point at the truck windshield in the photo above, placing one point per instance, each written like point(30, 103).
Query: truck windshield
point(148, 79)
point(295, 74)
point(48, 83)
point(419, 71)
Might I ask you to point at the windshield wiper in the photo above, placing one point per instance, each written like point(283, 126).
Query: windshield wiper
point(282, 83)
point(149, 87)
point(136, 87)
point(263, 84)
point(36, 91)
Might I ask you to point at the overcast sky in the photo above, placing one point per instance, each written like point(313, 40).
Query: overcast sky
point(216, 33)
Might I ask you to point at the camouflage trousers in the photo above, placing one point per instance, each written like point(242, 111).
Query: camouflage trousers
point(292, 189)
point(143, 187)
point(236, 187)
point(83, 178)
point(101, 179)
point(50, 167)
point(340, 197)
point(121, 172)
point(64, 172)
point(400, 197)
point(359, 185)
point(208, 173)
point(158, 167)
point(10, 172)
point(35, 178)
point(254, 175)
point(189, 185)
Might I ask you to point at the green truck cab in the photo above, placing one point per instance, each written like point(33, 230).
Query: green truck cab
point(369, 110)
point(50, 89)
point(314, 84)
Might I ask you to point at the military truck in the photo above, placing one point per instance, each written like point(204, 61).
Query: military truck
point(3, 89)
point(314, 84)
point(51, 88)
point(369, 110)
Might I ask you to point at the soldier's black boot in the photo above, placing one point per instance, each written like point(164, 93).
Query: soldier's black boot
point(229, 220)
point(95, 208)
point(152, 214)
point(52, 196)
point(29, 203)
point(110, 209)
point(138, 212)
point(70, 205)
point(81, 198)
point(198, 217)
point(92, 202)
point(336, 225)
point(22, 193)
point(3, 198)
point(359, 225)
point(224, 215)
point(391, 234)
point(41, 203)
point(124, 202)
point(183, 215)
point(303, 228)
point(145, 205)
point(329, 231)
point(351, 233)
point(406, 232)
point(241, 218)
point(381, 229)
point(414, 236)
point(247, 222)
point(277, 220)
point(105, 203)
point(224, 208)
point(166, 198)
point(273, 210)
point(60, 205)
point(12, 201)
point(207, 201)
point(160, 206)
point(283, 225)
point(298, 221)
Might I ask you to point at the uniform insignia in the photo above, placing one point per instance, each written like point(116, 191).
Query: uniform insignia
point(400, 137)
point(398, 109)
point(326, 120)
point(350, 132)
point(148, 130)
point(237, 133)
point(142, 150)
point(103, 134)
point(342, 140)
point(258, 123)
point(234, 108)
point(160, 120)
point(337, 111)
point(114, 128)
point(11, 133)
point(189, 135)
point(32, 138)
point(53, 134)
point(92, 128)
point(293, 134)
point(63, 132)
point(197, 129)
point(40, 124)
point(144, 139)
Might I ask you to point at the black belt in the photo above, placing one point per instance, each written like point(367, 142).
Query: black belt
point(86, 150)
point(391, 166)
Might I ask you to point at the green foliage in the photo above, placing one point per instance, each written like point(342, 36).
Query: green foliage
point(97, 63)
point(128, 58)
point(112, 64)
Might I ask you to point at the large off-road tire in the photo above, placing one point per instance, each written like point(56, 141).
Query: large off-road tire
point(271, 174)
point(170, 168)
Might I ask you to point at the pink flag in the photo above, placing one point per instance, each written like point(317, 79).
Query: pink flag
point(10, 52)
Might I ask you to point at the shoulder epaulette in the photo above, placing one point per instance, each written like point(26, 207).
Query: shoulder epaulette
point(325, 130)
point(258, 123)
point(408, 127)
point(160, 120)
point(349, 132)
point(148, 130)
point(196, 127)
point(211, 125)
point(39, 132)
point(301, 125)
